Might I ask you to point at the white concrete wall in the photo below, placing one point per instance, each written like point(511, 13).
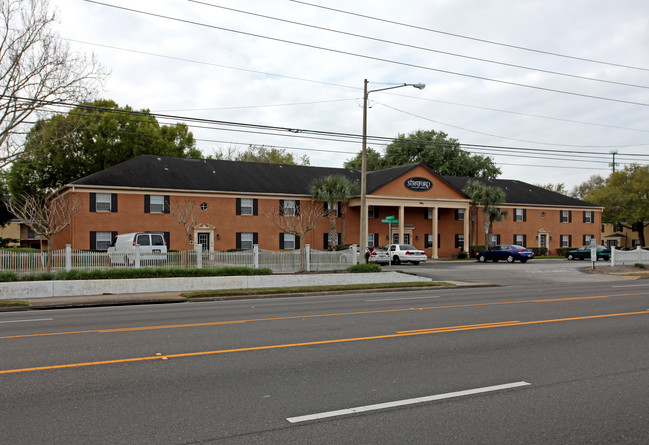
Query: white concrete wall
point(41, 289)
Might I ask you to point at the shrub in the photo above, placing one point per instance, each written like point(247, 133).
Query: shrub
point(474, 250)
point(462, 254)
point(540, 251)
point(562, 251)
point(639, 266)
point(8, 276)
point(364, 268)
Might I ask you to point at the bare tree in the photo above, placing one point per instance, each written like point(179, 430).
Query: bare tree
point(47, 215)
point(302, 221)
point(186, 211)
point(37, 71)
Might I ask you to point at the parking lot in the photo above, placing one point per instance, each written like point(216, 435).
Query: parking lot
point(534, 272)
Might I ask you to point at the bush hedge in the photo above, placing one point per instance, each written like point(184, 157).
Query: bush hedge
point(364, 268)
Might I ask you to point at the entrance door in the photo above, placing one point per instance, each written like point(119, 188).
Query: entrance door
point(203, 239)
point(543, 240)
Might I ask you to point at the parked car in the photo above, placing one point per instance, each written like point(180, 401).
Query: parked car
point(379, 256)
point(405, 253)
point(152, 248)
point(506, 252)
point(583, 253)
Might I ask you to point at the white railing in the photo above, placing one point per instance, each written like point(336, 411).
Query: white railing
point(289, 261)
point(629, 257)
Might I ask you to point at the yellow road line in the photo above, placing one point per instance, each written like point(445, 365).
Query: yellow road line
point(322, 342)
point(295, 317)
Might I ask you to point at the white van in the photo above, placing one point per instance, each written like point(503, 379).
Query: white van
point(152, 246)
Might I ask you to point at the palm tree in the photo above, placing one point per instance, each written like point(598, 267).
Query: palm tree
point(489, 198)
point(332, 189)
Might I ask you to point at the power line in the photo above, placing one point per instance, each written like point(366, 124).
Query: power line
point(491, 42)
point(363, 56)
point(421, 48)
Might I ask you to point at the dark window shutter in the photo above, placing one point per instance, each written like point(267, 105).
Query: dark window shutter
point(167, 237)
point(255, 238)
point(297, 242)
point(524, 214)
point(340, 236)
point(238, 244)
point(281, 241)
point(167, 204)
point(524, 240)
point(147, 203)
point(439, 244)
point(113, 202)
point(238, 205)
point(113, 235)
point(93, 202)
point(297, 207)
point(427, 239)
point(570, 240)
point(93, 240)
point(326, 209)
point(426, 213)
point(325, 240)
point(340, 208)
point(376, 240)
point(255, 207)
point(281, 207)
point(569, 215)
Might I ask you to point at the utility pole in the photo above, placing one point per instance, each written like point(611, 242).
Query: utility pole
point(613, 164)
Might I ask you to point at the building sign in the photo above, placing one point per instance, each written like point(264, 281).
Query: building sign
point(418, 184)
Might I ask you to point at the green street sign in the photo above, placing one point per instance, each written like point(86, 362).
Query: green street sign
point(387, 220)
point(389, 217)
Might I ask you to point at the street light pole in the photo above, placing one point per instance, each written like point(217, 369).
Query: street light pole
point(366, 93)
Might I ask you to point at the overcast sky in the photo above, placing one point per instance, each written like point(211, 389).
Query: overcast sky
point(299, 69)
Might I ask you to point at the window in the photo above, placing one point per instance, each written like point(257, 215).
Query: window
point(589, 217)
point(101, 240)
point(203, 206)
point(287, 241)
point(520, 240)
point(246, 206)
point(373, 212)
point(566, 216)
point(103, 202)
point(459, 241)
point(618, 227)
point(520, 215)
point(157, 203)
point(566, 240)
point(459, 214)
point(428, 240)
point(325, 240)
point(288, 207)
point(157, 240)
point(246, 240)
point(334, 209)
point(373, 240)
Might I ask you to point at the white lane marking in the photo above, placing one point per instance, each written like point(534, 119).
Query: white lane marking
point(407, 298)
point(379, 406)
point(26, 321)
point(632, 285)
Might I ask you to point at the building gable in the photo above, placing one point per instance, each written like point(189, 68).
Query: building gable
point(419, 182)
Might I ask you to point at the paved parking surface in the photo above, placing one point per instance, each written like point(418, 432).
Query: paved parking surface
point(533, 272)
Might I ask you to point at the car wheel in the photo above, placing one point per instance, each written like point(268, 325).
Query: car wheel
point(510, 258)
point(481, 258)
point(415, 263)
point(396, 260)
point(570, 257)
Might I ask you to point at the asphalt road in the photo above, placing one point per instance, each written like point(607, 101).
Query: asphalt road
point(559, 363)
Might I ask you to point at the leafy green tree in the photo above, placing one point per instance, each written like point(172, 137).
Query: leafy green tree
point(586, 188)
point(558, 188)
point(372, 158)
point(331, 189)
point(625, 198)
point(489, 199)
point(91, 138)
point(260, 153)
point(436, 150)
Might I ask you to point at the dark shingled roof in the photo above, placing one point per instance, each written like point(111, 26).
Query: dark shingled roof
point(167, 173)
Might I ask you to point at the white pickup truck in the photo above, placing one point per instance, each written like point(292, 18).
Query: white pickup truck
point(405, 253)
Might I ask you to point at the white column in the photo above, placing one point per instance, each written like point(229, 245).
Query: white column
point(467, 229)
point(435, 231)
point(402, 216)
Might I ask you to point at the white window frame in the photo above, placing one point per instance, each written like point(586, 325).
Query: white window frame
point(103, 202)
point(518, 215)
point(289, 241)
point(460, 215)
point(156, 204)
point(103, 240)
point(519, 240)
point(289, 208)
point(565, 217)
point(246, 206)
point(247, 240)
point(333, 209)
point(588, 217)
point(565, 241)
point(430, 213)
point(370, 240)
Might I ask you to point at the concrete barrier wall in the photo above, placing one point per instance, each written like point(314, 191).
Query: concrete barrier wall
point(42, 289)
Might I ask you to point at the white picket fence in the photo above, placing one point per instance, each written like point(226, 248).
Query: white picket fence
point(629, 257)
point(290, 261)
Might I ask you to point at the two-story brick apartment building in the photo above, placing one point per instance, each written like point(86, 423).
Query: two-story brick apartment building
point(235, 197)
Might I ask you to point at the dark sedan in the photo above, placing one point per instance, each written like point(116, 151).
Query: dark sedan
point(583, 253)
point(506, 252)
